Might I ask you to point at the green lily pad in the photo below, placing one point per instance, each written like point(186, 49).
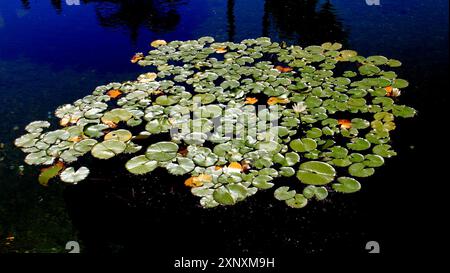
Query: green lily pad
point(223, 196)
point(384, 150)
point(346, 185)
point(320, 193)
point(162, 151)
point(283, 193)
point(49, 173)
point(108, 149)
point(316, 173)
point(298, 202)
point(120, 135)
point(303, 145)
point(69, 175)
point(184, 166)
point(359, 144)
point(262, 182)
point(369, 70)
point(141, 165)
point(360, 170)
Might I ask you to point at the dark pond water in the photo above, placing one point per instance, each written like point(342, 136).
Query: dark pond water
point(52, 53)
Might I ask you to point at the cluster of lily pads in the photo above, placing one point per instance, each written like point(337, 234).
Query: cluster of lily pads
point(325, 122)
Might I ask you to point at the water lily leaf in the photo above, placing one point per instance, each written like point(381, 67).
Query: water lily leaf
point(162, 151)
point(314, 133)
point(377, 60)
point(37, 126)
point(205, 159)
point(346, 185)
point(341, 162)
point(298, 202)
point(359, 144)
point(108, 149)
point(141, 165)
point(223, 196)
point(84, 146)
point(283, 193)
point(287, 171)
point(359, 123)
point(303, 145)
point(238, 191)
point(320, 193)
point(291, 159)
point(403, 111)
point(400, 83)
point(369, 70)
point(373, 161)
point(95, 130)
point(116, 115)
point(262, 182)
point(120, 135)
point(316, 173)
point(49, 173)
point(39, 158)
point(27, 140)
point(394, 63)
point(346, 55)
point(53, 136)
point(184, 166)
point(204, 98)
point(356, 157)
point(384, 150)
point(69, 175)
point(269, 146)
point(360, 170)
point(167, 100)
point(208, 201)
point(331, 46)
point(338, 152)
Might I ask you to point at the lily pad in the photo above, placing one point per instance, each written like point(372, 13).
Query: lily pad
point(69, 175)
point(283, 193)
point(162, 151)
point(298, 202)
point(141, 165)
point(108, 149)
point(303, 145)
point(346, 185)
point(316, 173)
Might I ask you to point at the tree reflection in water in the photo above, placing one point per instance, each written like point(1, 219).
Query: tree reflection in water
point(304, 21)
point(156, 15)
point(300, 21)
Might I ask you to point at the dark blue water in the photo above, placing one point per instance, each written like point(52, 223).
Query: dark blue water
point(52, 53)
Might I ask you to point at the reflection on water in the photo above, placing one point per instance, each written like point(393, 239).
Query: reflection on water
point(156, 15)
point(25, 4)
point(231, 20)
point(306, 22)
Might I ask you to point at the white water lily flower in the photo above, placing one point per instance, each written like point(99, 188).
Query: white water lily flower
point(396, 92)
point(299, 107)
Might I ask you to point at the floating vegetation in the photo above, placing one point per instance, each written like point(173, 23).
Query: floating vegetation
point(323, 122)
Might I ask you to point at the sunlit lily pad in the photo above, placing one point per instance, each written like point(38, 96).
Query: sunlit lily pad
point(346, 185)
point(69, 175)
point(141, 165)
point(108, 149)
point(316, 173)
